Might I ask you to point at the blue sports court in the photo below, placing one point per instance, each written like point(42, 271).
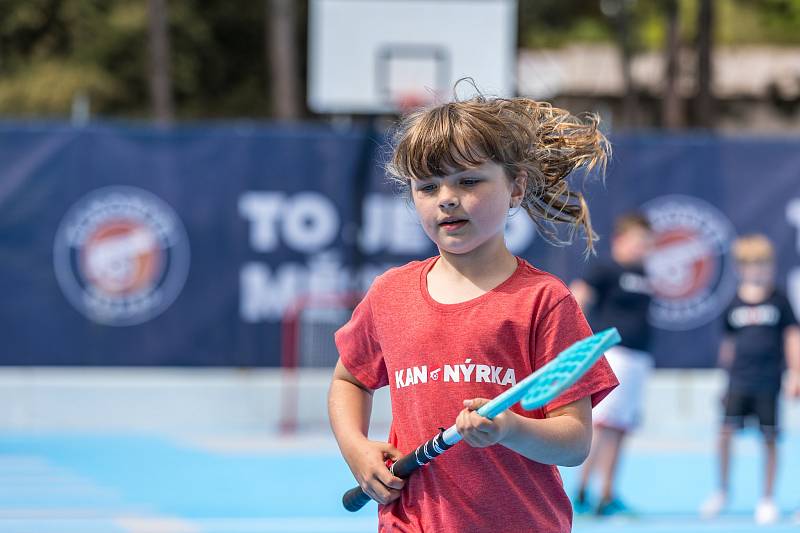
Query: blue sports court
point(229, 483)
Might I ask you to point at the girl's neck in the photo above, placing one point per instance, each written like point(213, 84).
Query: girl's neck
point(484, 264)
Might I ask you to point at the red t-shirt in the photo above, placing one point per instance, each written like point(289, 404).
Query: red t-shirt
point(433, 356)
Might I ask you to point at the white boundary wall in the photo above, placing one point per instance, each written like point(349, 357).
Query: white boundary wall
point(203, 401)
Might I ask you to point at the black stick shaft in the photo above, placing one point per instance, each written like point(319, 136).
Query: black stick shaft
point(355, 498)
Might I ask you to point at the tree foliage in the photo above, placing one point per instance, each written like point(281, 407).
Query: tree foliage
point(54, 51)
point(556, 23)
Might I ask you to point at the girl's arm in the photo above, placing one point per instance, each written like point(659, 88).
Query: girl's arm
point(791, 347)
point(349, 407)
point(726, 352)
point(563, 438)
point(584, 294)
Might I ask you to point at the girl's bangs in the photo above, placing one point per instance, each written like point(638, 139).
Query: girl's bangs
point(439, 148)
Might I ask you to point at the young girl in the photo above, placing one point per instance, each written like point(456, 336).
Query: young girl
point(451, 331)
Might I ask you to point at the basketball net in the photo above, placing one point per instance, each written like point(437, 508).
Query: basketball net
point(410, 101)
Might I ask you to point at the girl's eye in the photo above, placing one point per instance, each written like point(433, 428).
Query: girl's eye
point(428, 188)
point(469, 182)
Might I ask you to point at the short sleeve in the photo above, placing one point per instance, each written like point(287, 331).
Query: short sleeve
point(597, 277)
point(359, 347)
point(788, 317)
point(556, 331)
point(727, 327)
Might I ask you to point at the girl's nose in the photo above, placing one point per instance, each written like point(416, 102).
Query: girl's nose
point(447, 199)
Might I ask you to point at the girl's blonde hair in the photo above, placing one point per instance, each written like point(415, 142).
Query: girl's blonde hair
point(753, 248)
point(545, 143)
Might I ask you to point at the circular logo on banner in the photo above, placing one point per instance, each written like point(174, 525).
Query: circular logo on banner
point(121, 256)
point(691, 270)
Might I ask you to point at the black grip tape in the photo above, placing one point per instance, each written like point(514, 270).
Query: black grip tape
point(423, 455)
point(354, 499)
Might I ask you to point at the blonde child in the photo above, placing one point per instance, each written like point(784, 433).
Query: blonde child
point(760, 332)
point(451, 331)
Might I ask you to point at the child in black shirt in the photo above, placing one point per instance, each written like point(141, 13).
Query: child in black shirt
point(760, 333)
point(618, 293)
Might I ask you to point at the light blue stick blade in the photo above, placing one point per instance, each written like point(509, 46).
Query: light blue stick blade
point(549, 381)
point(573, 363)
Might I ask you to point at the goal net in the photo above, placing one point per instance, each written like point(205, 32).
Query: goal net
point(309, 354)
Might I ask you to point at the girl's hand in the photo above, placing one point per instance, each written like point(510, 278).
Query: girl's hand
point(793, 385)
point(479, 431)
point(367, 461)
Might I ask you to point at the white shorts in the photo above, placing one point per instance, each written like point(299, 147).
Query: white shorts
point(622, 409)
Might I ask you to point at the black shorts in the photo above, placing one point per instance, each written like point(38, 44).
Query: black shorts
point(741, 406)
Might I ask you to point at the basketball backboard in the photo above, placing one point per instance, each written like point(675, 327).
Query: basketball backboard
point(379, 56)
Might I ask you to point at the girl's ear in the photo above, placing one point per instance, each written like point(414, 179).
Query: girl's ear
point(518, 186)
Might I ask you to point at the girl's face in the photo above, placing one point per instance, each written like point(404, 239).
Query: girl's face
point(466, 209)
point(632, 245)
point(760, 273)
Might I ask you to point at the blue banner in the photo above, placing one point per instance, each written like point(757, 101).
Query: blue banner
point(143, 246)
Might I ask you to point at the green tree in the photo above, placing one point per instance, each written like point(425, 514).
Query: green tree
point(54, 50)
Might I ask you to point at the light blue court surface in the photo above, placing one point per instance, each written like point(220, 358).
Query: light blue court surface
point(89, 483)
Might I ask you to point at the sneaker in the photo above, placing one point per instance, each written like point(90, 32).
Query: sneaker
point(613, 507)
point(713, 505)
point(581, 503)
point(766, 512)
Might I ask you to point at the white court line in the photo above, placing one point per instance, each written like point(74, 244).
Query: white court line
point(288, 525)
point(60, 513)
point(167, 524)
point(35, 478)
point(156, 524)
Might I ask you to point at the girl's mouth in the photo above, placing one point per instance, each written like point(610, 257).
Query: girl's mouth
point(453, 225)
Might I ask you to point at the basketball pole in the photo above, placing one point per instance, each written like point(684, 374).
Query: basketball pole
point(361, 183)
